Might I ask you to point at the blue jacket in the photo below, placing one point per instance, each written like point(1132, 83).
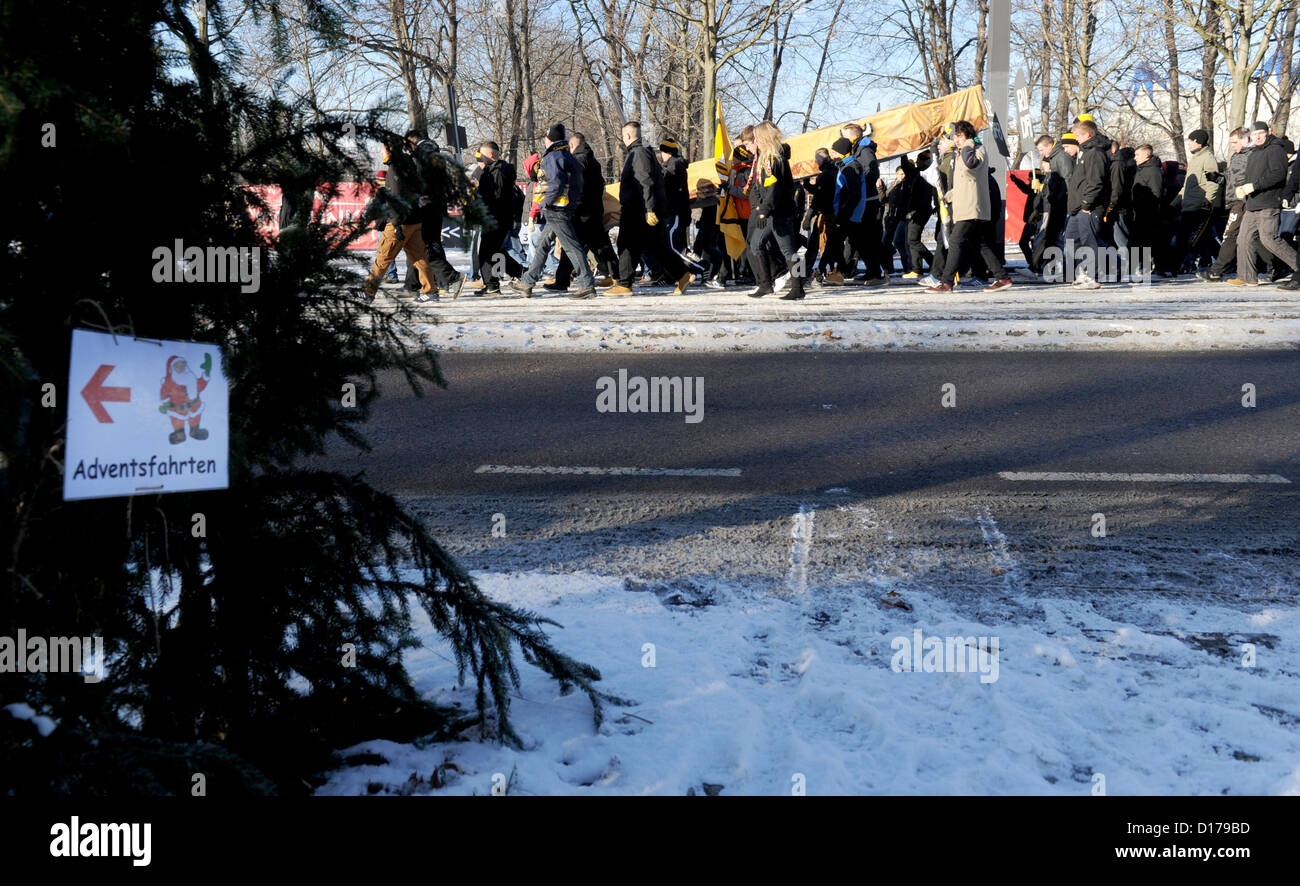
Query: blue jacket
point(850, 191)
point(563, 176)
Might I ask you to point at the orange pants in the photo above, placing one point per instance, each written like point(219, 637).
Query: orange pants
point(389, 246)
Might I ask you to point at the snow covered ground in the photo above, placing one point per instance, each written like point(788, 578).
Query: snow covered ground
point(798, 682)
point(1167, 315)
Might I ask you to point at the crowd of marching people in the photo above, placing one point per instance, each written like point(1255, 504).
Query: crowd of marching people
point(1086, 196)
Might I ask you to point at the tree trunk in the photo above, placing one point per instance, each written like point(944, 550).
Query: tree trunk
point(1175, 96)
point(1209, 69)
point(1287, 47)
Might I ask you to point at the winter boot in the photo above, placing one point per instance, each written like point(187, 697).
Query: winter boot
point(763, 273)
point(796, 290)
point(177, 436)
point(198, 433)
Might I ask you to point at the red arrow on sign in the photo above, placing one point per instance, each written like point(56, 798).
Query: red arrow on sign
point(94, 393)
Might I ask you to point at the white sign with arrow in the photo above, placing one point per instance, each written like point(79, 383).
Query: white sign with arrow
point(144, 417)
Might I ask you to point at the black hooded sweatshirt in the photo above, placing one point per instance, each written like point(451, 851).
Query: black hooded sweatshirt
point(1266, 170)
point(1090, 180)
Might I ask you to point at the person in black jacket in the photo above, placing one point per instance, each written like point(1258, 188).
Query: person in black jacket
point(821, 215)
point(433, 212)
point(774, 214)
point(642, 206)
point(678, 193)
point(562, 176)
point(589, 219)
point(504, 202)
point(1146, 207)
point(868, 241)
point(1119, 215)
point(1087, 200)
point(922, 201)
point(1266, 176)
point(896, 199)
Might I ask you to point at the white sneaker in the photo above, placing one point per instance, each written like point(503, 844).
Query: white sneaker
point(713, 284)
point(1083, 281)
point(1283, 279)
point(928, 281)
point(781, 282)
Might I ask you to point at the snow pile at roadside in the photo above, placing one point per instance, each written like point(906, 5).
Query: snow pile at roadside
point(757, 694)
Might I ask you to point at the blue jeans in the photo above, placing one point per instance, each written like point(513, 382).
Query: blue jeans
point(1084, 229)
point(559, 225)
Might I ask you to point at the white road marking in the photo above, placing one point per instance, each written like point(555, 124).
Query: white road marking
point(1068, 476)
point(618, 472)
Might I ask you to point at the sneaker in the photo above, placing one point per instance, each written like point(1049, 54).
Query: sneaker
point(1209, 276)
point(929, 280)
point(1004, 283)
point(834, 278)
point(553, 286)
point(971, 283)
point(522, 288)
point(1083, 281)
point(713, 284)
point(782, 282)
point(618, 290)
point(938, 287)
point(875, 282)
point(1292, 284)
point(584, 293)
point(911, 275)
point(425, 298)
point(1284, 278)
point(1237, 281)
point(454, 289)
point(602, 282)
point(686, 280)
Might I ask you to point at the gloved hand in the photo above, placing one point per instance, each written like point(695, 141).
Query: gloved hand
point(651, 219)
point(1245, 191)
point(1215, 177)
point(165, 406)
point(206, 365)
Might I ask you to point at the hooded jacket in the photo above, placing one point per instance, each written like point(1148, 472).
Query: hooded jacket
point(592, 203)
point(1122, 169)
point(1201, 186)
point(563, 177)
point(823, 191)
point(864, 155)
point(1237, 172)
point(1089, 186)
point(496, 188)
point(641, 186)
point(850, 202)
point(1148, 192)
point(1061, 165)
point(1266, 170)
point(675, 188)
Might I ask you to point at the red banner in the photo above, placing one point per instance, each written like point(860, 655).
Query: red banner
point(350, 199)
point(1014, 201)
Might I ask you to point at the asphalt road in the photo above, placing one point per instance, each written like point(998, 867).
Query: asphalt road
point(870, 422)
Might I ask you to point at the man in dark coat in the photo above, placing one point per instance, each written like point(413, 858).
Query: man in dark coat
point(1146, 203)
point(504, 202)
point(1087, 198)
point(678, 194)
point(563, 178)
point(589, 220)
point(1266, 176)
point(433, 212)
point(643, 205)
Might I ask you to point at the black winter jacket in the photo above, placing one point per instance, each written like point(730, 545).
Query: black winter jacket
point(641, 186)
point(496, 187)
point(1266, 170)
point(773, 188)
point(1089, 186)
point(592, 203)
point(1148, 194)
point(675, 187)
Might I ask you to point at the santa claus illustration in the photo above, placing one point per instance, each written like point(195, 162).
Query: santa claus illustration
point(180, 397)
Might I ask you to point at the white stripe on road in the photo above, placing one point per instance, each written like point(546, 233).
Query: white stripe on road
point(1068, 476)
point(617, 472)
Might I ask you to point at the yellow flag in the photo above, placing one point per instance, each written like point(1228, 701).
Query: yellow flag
point(728, 214)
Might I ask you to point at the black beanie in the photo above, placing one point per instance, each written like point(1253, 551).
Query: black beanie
point(1259, 125)
point(842, 145)
point(556, 133)
point(1200, 136)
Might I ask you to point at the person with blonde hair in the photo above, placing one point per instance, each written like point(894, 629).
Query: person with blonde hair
point(774, 214)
